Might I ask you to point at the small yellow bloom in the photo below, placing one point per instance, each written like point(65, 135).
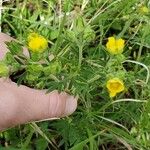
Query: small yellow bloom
point(115, 86)
point(144, 10)
point(115, 46)
point(37, 43)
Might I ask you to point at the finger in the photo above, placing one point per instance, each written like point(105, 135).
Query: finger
point(3, 47)
point(20, 105)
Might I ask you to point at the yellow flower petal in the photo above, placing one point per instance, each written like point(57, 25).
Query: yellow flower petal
point(111, 44)
point(115, 86)
point(37, 43)
point(120, 45)
point(115, 46)
point(112, 94)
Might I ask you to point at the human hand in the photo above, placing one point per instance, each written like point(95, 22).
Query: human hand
point(19, 105)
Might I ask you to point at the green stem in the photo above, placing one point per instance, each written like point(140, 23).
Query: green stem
point(80, 56)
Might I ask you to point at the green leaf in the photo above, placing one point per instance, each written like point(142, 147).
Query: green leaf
point(54, 34)
point(41, 144)
point(89, 34)
point(15, 48)
point(53, 68)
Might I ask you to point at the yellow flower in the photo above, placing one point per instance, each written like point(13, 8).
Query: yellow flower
point(115, 46)
point(115, 86)
point(37, 43)
point(144, 10)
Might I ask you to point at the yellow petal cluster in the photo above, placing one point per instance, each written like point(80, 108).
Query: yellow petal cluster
point(115, 86)
point(115, 46)
point(37, 43)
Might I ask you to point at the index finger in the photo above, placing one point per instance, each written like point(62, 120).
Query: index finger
point(3, 46)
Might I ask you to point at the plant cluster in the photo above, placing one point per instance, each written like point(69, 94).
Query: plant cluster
point(97, 50)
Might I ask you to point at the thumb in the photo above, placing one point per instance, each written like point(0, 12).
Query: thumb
point(22, 104)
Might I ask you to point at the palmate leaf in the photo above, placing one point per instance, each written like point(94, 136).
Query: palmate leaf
point(41, 144)
point(68, 131)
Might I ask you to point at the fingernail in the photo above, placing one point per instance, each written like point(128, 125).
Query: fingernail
point(71, 105)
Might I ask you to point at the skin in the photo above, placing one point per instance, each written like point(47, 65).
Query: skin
point(19, 105)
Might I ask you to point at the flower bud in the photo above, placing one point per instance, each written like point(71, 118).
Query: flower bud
point(4, 70)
